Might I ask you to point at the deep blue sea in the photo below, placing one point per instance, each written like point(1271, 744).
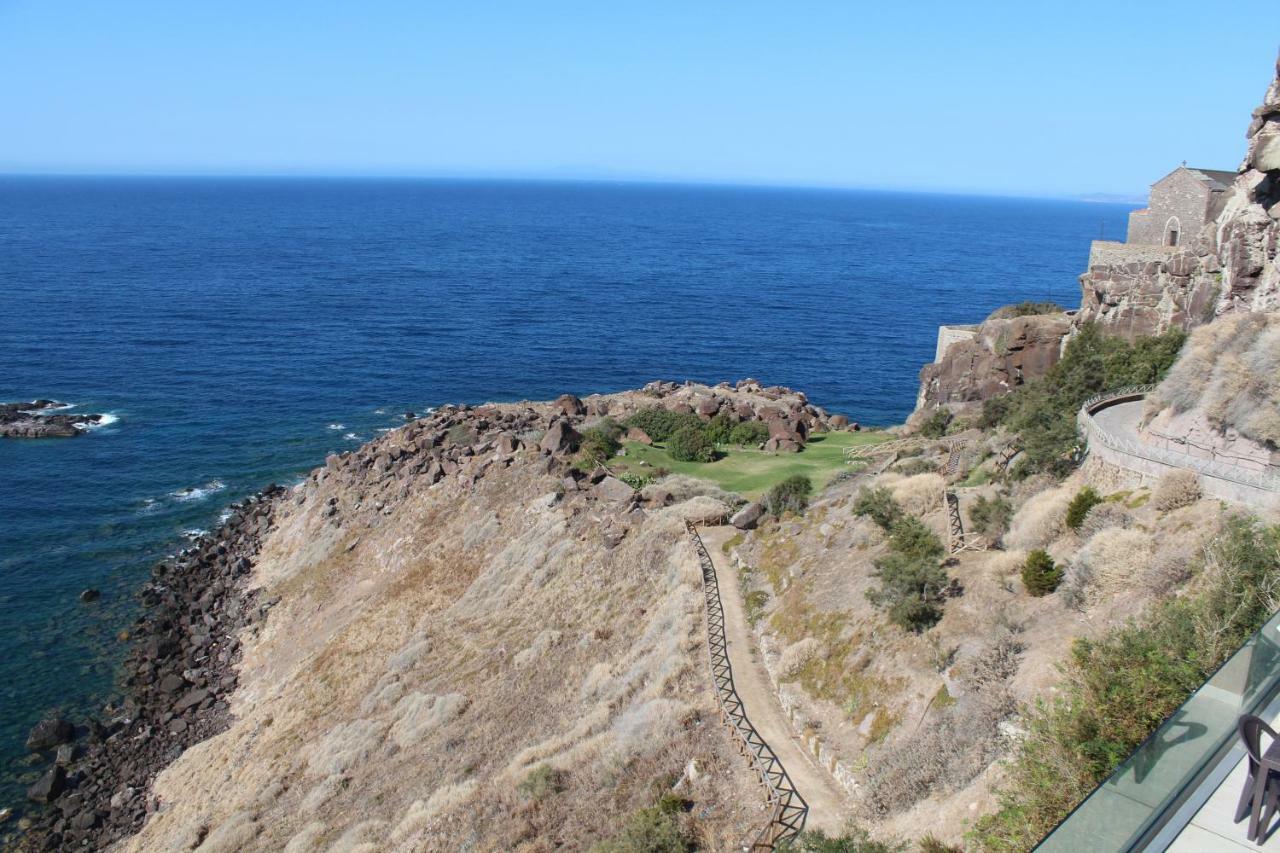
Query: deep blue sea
point(239, 330)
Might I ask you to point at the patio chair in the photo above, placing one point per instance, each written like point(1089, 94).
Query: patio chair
point(1261, 795)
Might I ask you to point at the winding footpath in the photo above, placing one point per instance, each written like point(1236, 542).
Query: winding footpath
point(827, 809)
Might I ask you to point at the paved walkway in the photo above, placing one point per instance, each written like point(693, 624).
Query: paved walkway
point(827, 808)
point(1121, 420)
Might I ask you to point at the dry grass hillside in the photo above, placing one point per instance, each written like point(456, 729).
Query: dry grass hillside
point(916, 724)
point(463, 667)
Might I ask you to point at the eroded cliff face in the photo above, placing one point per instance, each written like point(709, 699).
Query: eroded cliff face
point(1003, 354)
point(1133, 291)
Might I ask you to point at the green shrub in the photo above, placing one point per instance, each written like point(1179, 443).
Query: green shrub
point(1085, 500)
point(935, 426)
point(718, 430)
point(661, 424)
point(690, 444)
point(635, 481)
point(756, 600)
point(656, 829)
point(749, 433)
point(878, 505)
point(1039, 574)
point(912, 590)
point(542, 781)
point(1043, 412)
point(990, 517)
point(909, 536)
point(791, 495)
point(599, 444)
point(1120, 688)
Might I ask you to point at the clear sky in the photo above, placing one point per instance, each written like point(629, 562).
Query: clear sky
point(1025, 97)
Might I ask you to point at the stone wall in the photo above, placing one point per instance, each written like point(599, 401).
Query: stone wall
point(948, 335)
point(1179, 197)
point(1105, 253)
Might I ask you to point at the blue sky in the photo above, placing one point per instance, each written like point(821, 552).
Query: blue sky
point(1011, 98)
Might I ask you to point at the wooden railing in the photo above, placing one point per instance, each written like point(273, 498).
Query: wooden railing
point(787, 809)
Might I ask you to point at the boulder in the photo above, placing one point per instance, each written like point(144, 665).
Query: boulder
point(49, 786)
point(570, 405)
point(838, 422)
point(90, 595)
point(614, 490)
point(637, 434)
point(49, 733)
point(707, 407)
point(560, 438)
point(507, 443)
point(747, 517)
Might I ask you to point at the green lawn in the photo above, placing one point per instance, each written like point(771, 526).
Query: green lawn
point(751, 472)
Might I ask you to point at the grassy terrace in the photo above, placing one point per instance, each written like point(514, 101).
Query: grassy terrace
point(751, 472)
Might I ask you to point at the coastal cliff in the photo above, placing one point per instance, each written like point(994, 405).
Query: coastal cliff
point(1130, 291)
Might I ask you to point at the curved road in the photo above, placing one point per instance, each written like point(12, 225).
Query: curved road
point(827, 808)
point(1121, 419)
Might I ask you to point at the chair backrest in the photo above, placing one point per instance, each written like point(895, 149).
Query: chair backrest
point(1251, 729)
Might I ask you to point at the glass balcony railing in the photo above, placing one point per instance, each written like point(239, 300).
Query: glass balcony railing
point(1131, 807)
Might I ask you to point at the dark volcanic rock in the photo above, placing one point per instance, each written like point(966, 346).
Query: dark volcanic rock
point(49, 786)
point(29, 420)
point(90, 595)
point(183, 657)
point(49, 733)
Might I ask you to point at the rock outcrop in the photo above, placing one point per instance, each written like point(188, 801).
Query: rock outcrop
point(34, 420)
point(1003, 354)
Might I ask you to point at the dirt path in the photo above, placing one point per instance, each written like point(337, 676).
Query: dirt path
point(827, 806)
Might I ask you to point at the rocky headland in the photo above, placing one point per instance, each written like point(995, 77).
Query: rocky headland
point(465, 508)
point(34, 419)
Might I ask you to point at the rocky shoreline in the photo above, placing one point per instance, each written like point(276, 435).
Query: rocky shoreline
point(29, 420)
point(176, 682)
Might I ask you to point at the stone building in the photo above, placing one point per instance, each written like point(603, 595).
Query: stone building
point(1181, 203)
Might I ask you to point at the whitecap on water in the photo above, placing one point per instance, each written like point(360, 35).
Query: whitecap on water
point(106, 420)
point(196, 493)
point(337, 426)
point(351, 436)
point(194, 533)
point(379, 411)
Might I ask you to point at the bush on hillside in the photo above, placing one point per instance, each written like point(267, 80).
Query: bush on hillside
point(1176, 490)
point(1120, 688)
point(600, 443)
point(690, 444)
point(990, 517)
point(656, 829)
point(791, 495)
point(1104, 515)
point(913, 584)
point(1085, 500)
point(878, 505)
point(542, 781)
point(718, 430)
point(1043, 412)
point(1039, 574)
point(749, 433)
point(935, 426)
point(661, 424)
point(910, 537)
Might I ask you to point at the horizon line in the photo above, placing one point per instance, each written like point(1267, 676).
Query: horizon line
point(1092, 197)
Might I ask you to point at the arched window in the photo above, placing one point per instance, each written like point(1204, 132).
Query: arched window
point(1172, 230)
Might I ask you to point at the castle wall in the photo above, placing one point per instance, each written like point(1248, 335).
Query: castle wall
point(948, 335)
point(1104, 253)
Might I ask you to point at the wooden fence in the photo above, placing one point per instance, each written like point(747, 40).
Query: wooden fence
point(787, 809)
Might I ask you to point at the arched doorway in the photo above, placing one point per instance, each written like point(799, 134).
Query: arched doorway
point(1172, 231)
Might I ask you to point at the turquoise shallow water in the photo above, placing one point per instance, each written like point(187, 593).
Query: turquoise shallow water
point(240, 330)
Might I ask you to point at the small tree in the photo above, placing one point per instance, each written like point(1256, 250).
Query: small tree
point(719, 429)
point(878, 505)
point(912, 590)
point(792, 494)
point(1039, 574)
point(689, 444)
point(910, 537)
point(1085, 500)
point(661, 424)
